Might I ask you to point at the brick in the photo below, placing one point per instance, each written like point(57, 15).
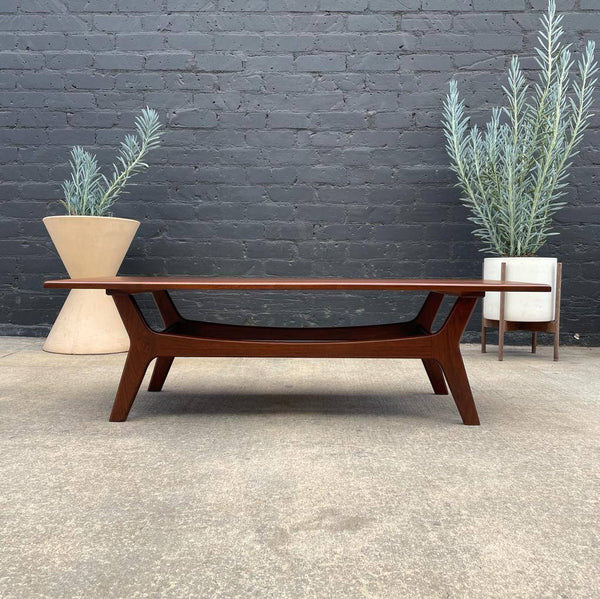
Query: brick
point(344, 5)
point(372, 23)
point(447, 5)
point(135, 6)
point(373, 62)
point(270, 63)
point(119, 61)
point(339, 42)
point(248, 22)
point(447, 42)
point(393, 120)
point(138, 81)
point(99, 42)
point(293, 5)
point(193, 119)
point(272, 175)
point(190, 5)
point(497, 41)
point(21, 23)
point(242, 5)
point(42, 41)
point(40, 80)
point(237, 41)
point(65, 22)
point(323, 174)
point(494, 5)
point(394, 5)
point(63, 61)
point(219, 62)
point(170, 61)
point(21, 60)
point(117, 23)
point(8, 6)
point(280, 139)
point(345, 121)
point(288, 120)
point(288, 42)
point(321, 63)
point(238, 120)
point(170, 23)
point(428, 22)
point(286, 83)
point(190, 41)
point(318, 23)
point(139, 41)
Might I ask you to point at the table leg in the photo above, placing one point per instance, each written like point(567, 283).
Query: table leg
point(170, 315)
point(425, 320)
point(447, 351)
point(160, 372)
point(440, 351)
point(436, 377)
point(135, 368)
point(138, 358)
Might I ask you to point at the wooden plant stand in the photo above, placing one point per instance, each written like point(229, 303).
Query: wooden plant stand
point(439, 350)
point(551, 326)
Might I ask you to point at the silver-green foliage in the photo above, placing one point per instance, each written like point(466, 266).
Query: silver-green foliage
point(90, 193)
point(513, 173)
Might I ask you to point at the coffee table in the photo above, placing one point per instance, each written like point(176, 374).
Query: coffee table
point(439, 350)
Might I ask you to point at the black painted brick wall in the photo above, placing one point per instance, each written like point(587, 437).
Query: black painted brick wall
point(303, 138)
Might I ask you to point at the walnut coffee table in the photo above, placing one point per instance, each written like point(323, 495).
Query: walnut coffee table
point(439, 350)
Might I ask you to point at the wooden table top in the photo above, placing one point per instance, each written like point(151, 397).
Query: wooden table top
point(149, 284)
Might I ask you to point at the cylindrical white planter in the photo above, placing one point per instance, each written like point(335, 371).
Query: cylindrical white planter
point(89, 246)
point(521, 307)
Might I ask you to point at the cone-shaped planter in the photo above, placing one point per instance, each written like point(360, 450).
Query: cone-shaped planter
point(89, 246)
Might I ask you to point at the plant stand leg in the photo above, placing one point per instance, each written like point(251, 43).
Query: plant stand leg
point(534, 342)
point(501, 322)
point(557, 309)
point(160, 372)
point(483, 337)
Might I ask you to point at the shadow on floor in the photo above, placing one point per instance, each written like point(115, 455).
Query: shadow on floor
point(415, 405)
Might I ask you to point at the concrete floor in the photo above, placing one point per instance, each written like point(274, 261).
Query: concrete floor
point(299, 478)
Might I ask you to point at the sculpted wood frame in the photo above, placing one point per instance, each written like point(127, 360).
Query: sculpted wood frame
point(439, 350)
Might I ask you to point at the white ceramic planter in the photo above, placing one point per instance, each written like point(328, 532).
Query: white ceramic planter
point(521, 307)
point(89, 246)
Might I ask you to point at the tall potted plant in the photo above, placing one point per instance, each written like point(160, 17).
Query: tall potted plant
point(512, 174)
point(92, 243)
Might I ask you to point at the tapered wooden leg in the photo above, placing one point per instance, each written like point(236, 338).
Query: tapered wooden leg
point(436, 377)
point(533, 342)
point(483, 337)
point(456, 375)
point(425, 319)
point(160, 372)
point(447, 352)
point(131, 379)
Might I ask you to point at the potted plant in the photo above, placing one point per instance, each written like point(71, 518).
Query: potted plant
point(92, 243)
point(512, 174)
